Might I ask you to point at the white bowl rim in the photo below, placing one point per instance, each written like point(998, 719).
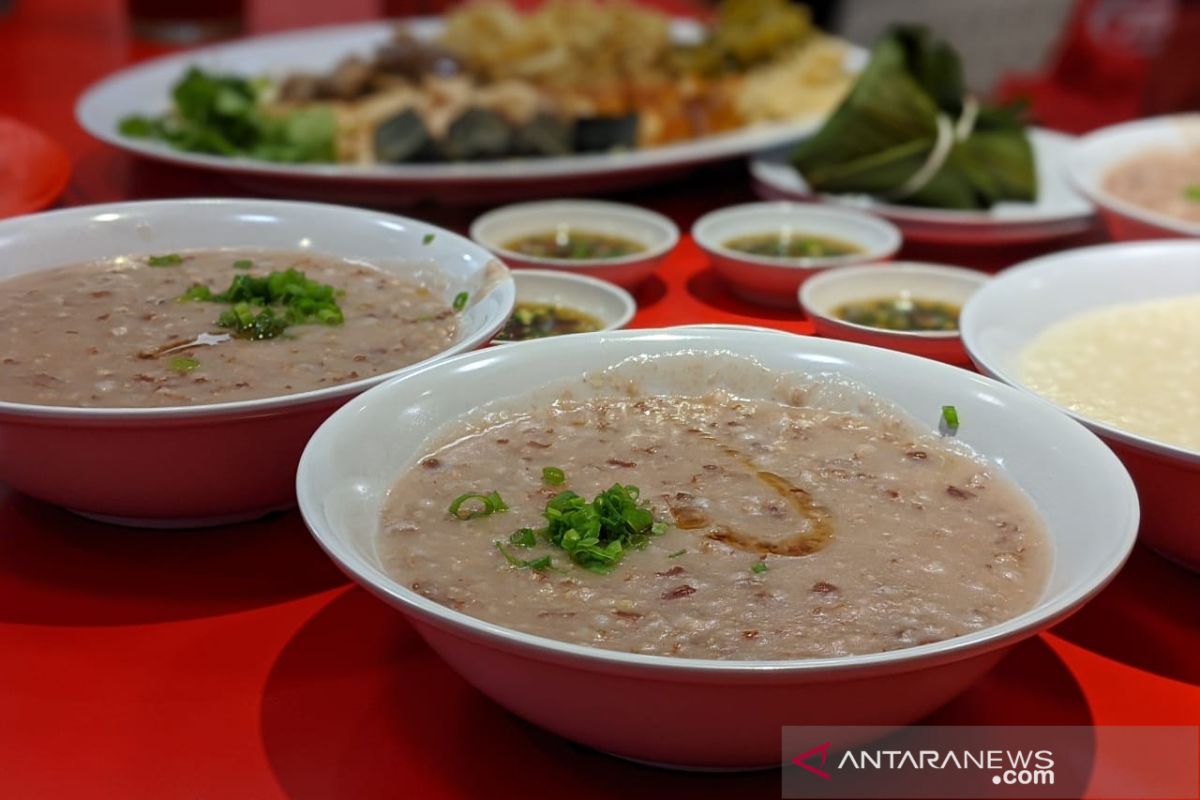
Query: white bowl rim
point(1018, 271)
point(629, 305)
point(255, 405)
point(703, 238)
point(617, 212)
point(1084, 151)
point(910, 267)
point(956, 648)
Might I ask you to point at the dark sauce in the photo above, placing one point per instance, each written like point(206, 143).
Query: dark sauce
point(538, 320)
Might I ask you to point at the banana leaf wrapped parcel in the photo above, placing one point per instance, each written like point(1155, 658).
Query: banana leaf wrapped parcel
point(909, 132)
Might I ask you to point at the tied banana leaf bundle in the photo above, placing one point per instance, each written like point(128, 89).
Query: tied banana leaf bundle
point(909, 133)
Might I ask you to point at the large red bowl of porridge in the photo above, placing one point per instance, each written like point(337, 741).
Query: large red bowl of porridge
point(163, 363)
point(1144, 176)
point(790, 531)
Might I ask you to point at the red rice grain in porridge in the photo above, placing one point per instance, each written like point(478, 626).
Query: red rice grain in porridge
point(872, 537)
point(85, 335)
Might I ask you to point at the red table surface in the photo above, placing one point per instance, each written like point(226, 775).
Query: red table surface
point(238, 662)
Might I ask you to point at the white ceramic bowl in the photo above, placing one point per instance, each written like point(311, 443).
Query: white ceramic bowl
point(708, 713)
point(775, 281)
point(1097, 154)
point(822, 294)
point(205, 464)
point(1016, 306)
point(608, 303)
point(654, 232)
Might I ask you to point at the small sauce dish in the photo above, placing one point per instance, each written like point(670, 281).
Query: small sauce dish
point(615, 242)
point(609, 307)
point(836, 294)
point(811, 239)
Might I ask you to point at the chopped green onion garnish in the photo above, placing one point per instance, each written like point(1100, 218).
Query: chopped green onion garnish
point(197, 291)
point(596, 534)
point(169, 260)
point(460, 301)
point(950, 416)
point(1192, 192)
point(525, 537)
point(491, 503)
point(544, 562)
point(758, 568)
point(243, 263)
point(427, 239)
point(677, 553)
point(263, 307)
point(553, 475)
point(183, 364)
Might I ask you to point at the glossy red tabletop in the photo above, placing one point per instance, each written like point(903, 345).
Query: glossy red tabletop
point(239, 663)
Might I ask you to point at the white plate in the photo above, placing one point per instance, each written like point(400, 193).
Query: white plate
point(145, 89)
point(1058, 211)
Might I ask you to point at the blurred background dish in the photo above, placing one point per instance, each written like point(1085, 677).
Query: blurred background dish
point(1058, 211)
point(1144, 176)
point(34, 169)
point(1011, 312)
point(616, 242)
point(764, 251)
point(907, 306)
point(553, 303)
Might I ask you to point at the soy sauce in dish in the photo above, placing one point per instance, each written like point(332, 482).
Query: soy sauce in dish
point(539, 320)
point(900, 313)
point(792, 244)
point(573, 245)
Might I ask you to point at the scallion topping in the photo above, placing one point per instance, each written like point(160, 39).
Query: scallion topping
point(677, 553)
point(489, 504)
point(525, 537)
point(758, 568)
point(169, 260)
point(460, 301)
point(545, 562)
point(243, 263)
point(263, 307)
point(553, 475)
point(1192, 192)
point(427, 239)
point(183, 364)
point(596, 534)
point(950, 417)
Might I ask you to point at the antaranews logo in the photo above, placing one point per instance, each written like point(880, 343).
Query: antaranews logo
point(965, 762)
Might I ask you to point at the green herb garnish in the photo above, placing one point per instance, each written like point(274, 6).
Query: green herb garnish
point(950, 417)
point(263, 307)
point(677, 553)
point(183, 364)
point(491, 504)
point(221, 115)
point(758, 568)
point(460, 301)
point(243, 263)
point(169, 260)
point(596, 534)
point(427, 239)
point(525, 537)
point(553, 475)
point(1192, 192)
point(544, 562)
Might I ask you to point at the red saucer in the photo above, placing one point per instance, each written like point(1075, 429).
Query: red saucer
point(34, 169)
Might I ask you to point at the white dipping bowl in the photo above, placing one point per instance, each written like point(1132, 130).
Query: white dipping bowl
point(654, 232)
point(1094, 156)
point(210, 463)
point(1016, 306)
point(774, 281)
point(823, 294)
point(609, 304)
point(708, 713)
